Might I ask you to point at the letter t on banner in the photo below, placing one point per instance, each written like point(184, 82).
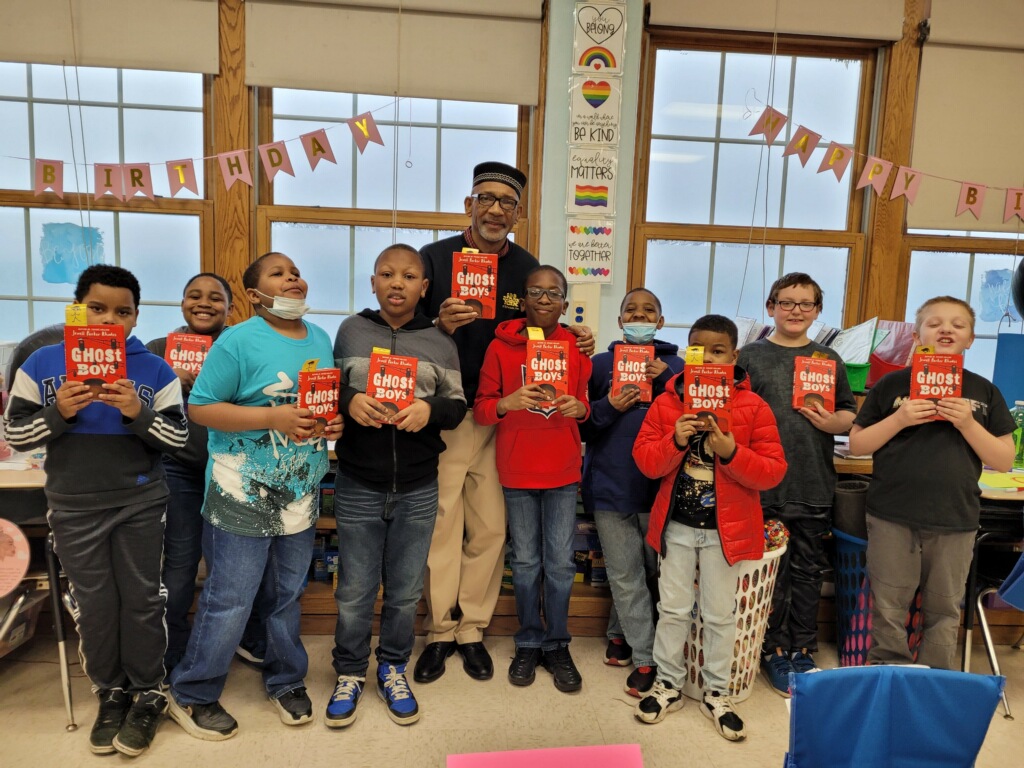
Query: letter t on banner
point(50, 175)
point(275, 158)
point(769, 123)
point(972, 198)
point(234, 166)
point(317, 147)
point(181, 174)
point(364, 130)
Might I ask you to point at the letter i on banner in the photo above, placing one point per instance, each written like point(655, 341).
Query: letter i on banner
point(109, 179)
point(876, 173)
point(181, 174)
point(50, 175)
point(1014, 204)
point(275, 158)
point(317, 147)
point(972, 198)
point(769, 123)
point(137, 178)
point(234, 166)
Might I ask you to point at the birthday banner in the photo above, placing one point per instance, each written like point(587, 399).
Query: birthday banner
point(588, 250)
point(906, 181)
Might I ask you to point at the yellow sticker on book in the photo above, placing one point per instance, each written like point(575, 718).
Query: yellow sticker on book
point(820, 355)
point(471, 250)
point(534, 334)
point(694, 355)
point(76, 314)
point(310, 365)
point(381, 351)
point(925, 349)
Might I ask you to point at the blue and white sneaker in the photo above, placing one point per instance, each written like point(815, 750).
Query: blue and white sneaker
point(776, 668)
point(341, 709)
point(393, 689)
point(803, 662)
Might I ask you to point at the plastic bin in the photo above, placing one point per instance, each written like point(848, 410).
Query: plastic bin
point(854, 603)
point(754, 587)
point(857, 375)
point(848, 508)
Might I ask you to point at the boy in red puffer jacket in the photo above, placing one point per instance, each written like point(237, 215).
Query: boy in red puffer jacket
point(707, 512)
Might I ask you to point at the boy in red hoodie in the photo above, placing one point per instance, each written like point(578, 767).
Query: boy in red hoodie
point(707, 512)
point(538, 453)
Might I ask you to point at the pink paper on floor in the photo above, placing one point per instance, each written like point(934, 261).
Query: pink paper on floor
point(610, 756)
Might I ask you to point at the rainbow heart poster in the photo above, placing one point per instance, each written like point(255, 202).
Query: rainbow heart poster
point(599, 38)
point(589, 247)
point(591, 187)
point(594, 109)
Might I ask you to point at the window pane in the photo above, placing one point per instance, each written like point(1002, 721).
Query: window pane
point(156, 321)
point(410, 111)
point(64, 243)
point(53, 140)
point(935, 274)
point(172, 89)
point(331, 184)
point(679, 183)
point(461, 150)
point(741, 186)
point(478, 113)
point(157, 136)
point(828, 267)
point(46, 313)
point(329, 323)
point(815, 200)
point(825, 93)
point(15, 324)
point(13, 79)
point(745, 90)
point(686, 93)
point(679, 270)
point(288, 101)
point(417, 171)
point(990, 293)
point(161, 250)
point(322, 253)
point(981, 358)
point(741, 278)
point(12, 255)
point(15, 172)
point(369, 242)
point(74, 83)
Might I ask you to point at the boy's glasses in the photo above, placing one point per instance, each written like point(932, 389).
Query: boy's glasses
point(485, 201)
point(552, 293)
point(788, 306)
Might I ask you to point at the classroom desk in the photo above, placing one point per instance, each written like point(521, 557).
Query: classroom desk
point(852, 466)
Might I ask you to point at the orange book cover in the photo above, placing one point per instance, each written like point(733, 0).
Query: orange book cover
point(392, 380)
point(94, 355)
point(475, 281)
point(187, 351)
point(707, 392)
point(547, 364)
point(814, 381)
point(629, 370)
point(933, 377)
point(318, 391)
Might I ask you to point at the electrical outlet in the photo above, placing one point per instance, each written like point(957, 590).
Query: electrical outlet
point(578, 314)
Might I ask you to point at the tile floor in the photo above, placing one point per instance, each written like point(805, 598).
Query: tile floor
point(459, 715)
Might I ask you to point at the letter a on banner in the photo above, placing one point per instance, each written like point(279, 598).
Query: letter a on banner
point(181, 174)
point(1014, 204)
point(972, 198)
point(234, 166)
point(908, 181)
point(364, 130)
point(802, 144)
point(769, 123)
point(876, 173)
point(137, 178)
point(317, 147)
point(836, 158)
point(109, 179)
point(275, 158)
point(50, 175)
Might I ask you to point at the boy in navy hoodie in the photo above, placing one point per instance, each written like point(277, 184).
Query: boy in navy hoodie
point(107, 495)
point(619, 495)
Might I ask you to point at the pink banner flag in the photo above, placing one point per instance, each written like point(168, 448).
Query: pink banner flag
point(972, 198)
point(109, 180)
point(364, 130)
point(1014, 206)
point(181, 174)
point(836, 159)
point(234, 166)
point(876, 173)
point(137, 179)
point(769, 123)
point(50, 175)
point(802, 144)
point(317, 147)
point(275, 159)
point(908, 181)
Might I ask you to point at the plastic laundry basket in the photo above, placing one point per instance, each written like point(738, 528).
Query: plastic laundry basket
point(754, 587)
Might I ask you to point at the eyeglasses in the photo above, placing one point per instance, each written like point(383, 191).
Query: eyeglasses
point(552, 293)
point(485, 201)
point(787, 305)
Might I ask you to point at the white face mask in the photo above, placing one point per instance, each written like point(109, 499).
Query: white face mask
point(639, 333)
point(285, 307)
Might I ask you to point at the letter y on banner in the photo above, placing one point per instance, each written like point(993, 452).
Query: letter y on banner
point(364, 130)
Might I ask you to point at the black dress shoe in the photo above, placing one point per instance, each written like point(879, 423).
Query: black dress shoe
point(476, 661)
point(430, 664)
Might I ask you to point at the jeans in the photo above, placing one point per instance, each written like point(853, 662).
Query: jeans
point(239, 567)
point(541, 524)
point(183, 548)
point(629, 562)
point(685, 549)
point(382, 536)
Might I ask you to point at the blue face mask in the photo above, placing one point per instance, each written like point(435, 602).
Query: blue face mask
point(639, 333)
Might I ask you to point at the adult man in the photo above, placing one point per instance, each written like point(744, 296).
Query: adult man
point(467, 550)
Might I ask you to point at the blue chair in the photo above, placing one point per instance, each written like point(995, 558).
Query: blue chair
point(1011, 591)
point(882, 716)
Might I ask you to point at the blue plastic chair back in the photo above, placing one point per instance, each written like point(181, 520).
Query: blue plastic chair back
point(881, 716)
point(1012, 589)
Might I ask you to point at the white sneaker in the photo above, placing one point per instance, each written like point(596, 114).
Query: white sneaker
point(718, 709)
point(655, 705)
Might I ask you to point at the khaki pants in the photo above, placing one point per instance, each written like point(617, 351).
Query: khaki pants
point(467, 551)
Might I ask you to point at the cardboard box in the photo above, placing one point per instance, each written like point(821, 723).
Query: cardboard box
point(24, 627)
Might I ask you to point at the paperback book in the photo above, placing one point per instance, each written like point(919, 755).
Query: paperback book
point(94, 355)
point(814, 382)
point(933, 377)
point(707, 394)
point(629, 370)
point(475, 281)
point(318, 391)
point(392, 380)
point(547, 365)
point(187, 351)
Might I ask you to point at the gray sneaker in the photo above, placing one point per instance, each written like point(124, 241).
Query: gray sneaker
point(140, 726)
point(209, 722)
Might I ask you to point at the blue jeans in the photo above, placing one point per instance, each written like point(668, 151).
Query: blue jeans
point(629, 561)
point(183, 548)
point(239, 567)
point(541, 524)
point(381, 536)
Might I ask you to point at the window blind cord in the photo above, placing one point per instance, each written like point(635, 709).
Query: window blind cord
point(87, 239)
point(394, 151)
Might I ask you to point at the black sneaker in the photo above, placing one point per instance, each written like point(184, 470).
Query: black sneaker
point(655, 706)
point(523, 669)
point(718, 709)
point(114, 705)
point(209, 722)
point(618, 653)
point(294, 707)
point(140, 725)
point(641, 680)
point(560, 664)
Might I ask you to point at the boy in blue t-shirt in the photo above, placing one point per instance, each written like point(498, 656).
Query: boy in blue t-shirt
point(261, 500)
